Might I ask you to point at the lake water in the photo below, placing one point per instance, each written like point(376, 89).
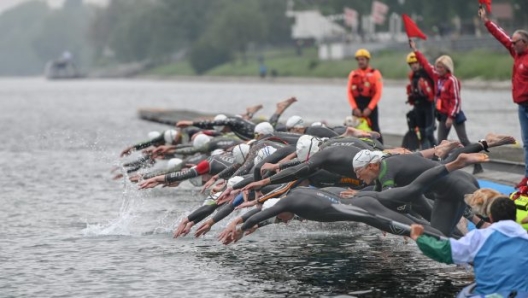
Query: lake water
point(68, 230)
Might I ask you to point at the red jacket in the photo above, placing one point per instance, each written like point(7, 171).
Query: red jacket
point(520, 64)
point(421, 86)
point(447, 89)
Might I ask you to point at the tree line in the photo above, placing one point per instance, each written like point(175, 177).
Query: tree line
point(207, 32)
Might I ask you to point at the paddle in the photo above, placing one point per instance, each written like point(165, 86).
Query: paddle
point(393, 225)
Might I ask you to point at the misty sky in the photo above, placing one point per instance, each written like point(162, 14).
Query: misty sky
point(6, 4)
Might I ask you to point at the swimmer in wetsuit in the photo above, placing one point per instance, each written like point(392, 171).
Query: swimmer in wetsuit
point(327, 205)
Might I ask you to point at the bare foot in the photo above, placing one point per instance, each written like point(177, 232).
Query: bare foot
point(445, 147)
point(283, 105)
point(399, 150)
point(358, 133)
point(467, 159)
point(495, 140)
point(252, 110)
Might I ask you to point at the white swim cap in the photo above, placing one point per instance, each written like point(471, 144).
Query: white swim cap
point(365, 157)
point(240, 153)
point(316, 124)
point(217, 152)
point(264, 128)
point(263, 153)
point(169, 136)
point(219, 117)
point(351, 121)
point(234, 180)
point(307, 146)
point(270, 203)
point(295, 122)
point(173, 162)
point(153, 134)
point(201, 140)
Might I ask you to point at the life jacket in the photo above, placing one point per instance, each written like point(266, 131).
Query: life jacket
point(363, 84)
point(364, 124)
point(421, 87)
point(521, 202)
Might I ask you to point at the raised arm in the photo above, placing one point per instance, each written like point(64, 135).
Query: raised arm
point(497, 32)
point(429, 68)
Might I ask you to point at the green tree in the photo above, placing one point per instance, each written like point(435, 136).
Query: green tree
point(236, 26)
point(204, 55)
point(64, 29)
point(277, 24)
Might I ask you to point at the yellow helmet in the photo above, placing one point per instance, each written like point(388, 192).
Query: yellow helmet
point(411, 58)
point(363, 53)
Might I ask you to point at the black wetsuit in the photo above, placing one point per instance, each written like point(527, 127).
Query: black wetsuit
point(203, 211)
point(325, 205)
point(213, 165)
point(143, 162)
point(243, 169)
point(283, 137)
point(157, 141)
point(275, 157)
point(186, 133)
point(191, 160)
point(160, 172)
point(336, 160)
point(362, 143)
point(335, 142)
point(448, 192)
point(320, 132)
point(223, 142)
point(244, 129)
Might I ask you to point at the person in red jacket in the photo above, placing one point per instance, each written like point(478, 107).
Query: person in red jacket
point(447, 98)
point(517, 46)
point(420, 94)
point(364, 90)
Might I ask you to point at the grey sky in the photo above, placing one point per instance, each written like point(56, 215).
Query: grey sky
point(6, 4)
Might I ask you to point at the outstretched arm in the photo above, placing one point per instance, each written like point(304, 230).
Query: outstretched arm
point(497, 32)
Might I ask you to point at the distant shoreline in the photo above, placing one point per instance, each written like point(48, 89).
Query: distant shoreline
point(471, 83)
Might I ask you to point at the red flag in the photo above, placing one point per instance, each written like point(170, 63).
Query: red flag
point(487, 3)
point(411, 28)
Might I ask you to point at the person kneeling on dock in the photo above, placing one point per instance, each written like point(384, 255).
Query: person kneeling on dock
point(497, 252)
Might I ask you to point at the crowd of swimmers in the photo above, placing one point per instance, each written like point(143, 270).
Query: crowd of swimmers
point(282, 171)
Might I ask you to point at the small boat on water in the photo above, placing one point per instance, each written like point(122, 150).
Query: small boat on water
point(62, 68)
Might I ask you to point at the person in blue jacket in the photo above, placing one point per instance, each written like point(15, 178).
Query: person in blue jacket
point(498, 253)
